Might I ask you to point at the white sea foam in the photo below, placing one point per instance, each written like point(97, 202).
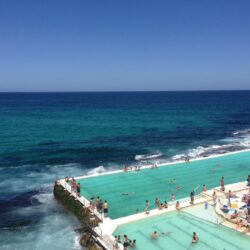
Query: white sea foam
point(147, 157)
point(96, 170)
point(178, 157)
point(45, 198)
point(193, 153)
point(242, 132)
point(41, 202)
point(239, 140)
point(77, 243)
point(54, 231)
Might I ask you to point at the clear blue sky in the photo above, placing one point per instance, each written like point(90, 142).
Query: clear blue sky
point(124, 45)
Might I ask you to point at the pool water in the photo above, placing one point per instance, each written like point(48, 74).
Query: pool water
point(148, 184)
point(180, 227)
point(203, 212)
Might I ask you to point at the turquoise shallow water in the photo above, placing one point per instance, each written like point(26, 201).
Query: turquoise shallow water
point(148, 184)
point(182, 225)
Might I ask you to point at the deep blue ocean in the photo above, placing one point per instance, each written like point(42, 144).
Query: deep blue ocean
point(45, 136)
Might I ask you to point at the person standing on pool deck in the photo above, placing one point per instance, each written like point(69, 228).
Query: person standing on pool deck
point(119, 239)
point(91, 203)
point(116, 244)
point(222, 183)
point(177, 206)
point(192, 198)
point(105, 208)
point(73, 185)
point(248, 180)
point(78, 189)
point(214, 197)
point(100, 206)
point(195, 238)
point(97, 203)
point(147, 207)
point(157, 202)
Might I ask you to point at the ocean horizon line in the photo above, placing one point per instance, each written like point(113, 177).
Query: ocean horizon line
point(121, 91)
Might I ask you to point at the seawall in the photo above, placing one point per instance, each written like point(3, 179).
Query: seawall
point(87, 220)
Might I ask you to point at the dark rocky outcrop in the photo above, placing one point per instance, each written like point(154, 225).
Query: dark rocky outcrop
point(88, 237)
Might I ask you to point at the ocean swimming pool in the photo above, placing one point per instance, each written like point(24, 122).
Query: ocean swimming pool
point(148, 184)
point(179, 227)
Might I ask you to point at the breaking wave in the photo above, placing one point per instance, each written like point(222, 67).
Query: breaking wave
point(148, 157)
point(97, 170)
point(77, 243)
point(44, 198)
point(240, 140)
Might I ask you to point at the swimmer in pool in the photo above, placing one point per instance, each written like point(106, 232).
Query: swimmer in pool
point(126, 194)
point(173, 180)
point(154, 235)
point(215, 168)
point(172, 197)
point(195, 238)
